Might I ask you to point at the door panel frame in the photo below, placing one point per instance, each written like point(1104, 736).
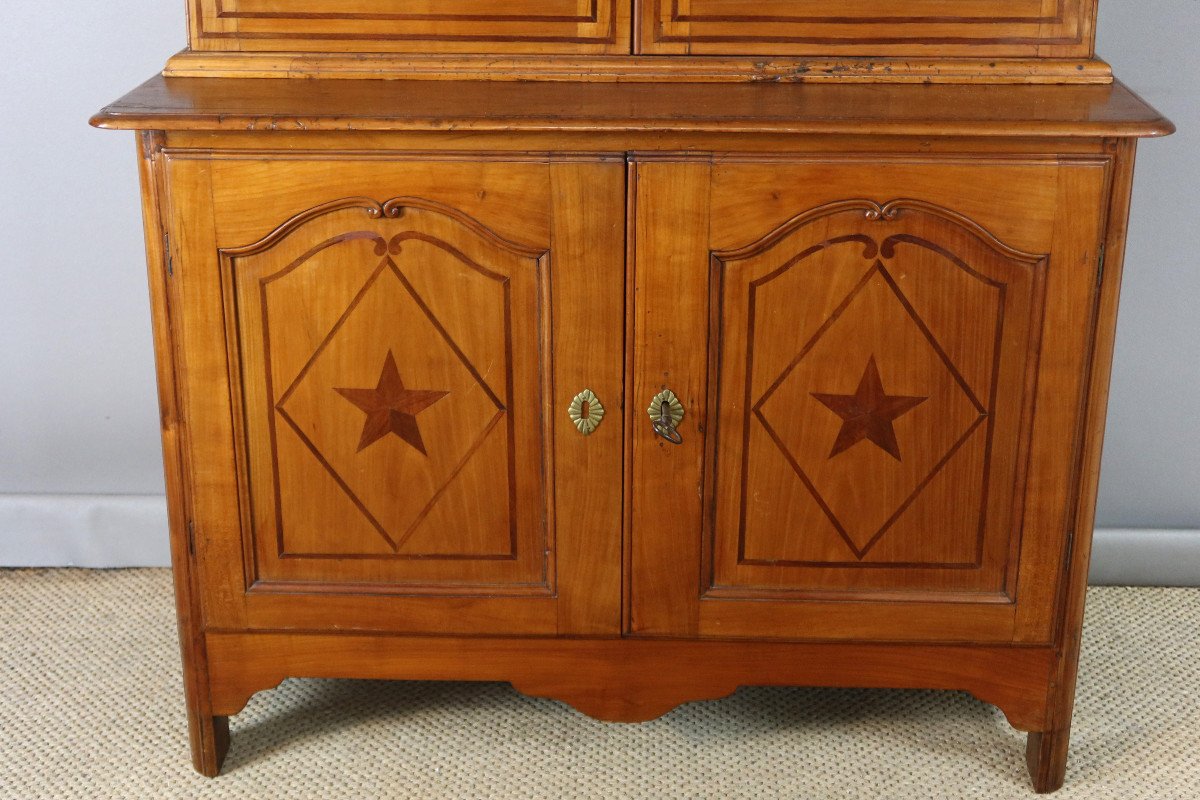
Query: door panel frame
point(668, 550)
point(586, 262)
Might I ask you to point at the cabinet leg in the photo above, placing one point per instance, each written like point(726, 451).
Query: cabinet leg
point(210, 742)
point(1046, 754)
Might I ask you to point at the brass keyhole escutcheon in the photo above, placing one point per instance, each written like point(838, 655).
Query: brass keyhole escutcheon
point(666, 412)
point(586, 411)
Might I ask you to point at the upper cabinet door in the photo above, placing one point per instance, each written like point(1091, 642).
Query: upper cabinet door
point(412, 26)
point(379, 363)
point(881, 368)
point(917, 28)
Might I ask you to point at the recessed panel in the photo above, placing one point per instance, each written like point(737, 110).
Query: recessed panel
point(874, 372)
point(412, 26)
point(868, 27)
point(391, 395)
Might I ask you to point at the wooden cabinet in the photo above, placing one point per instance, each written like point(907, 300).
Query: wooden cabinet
point(692, 349)
point(387, 349)
point(922, 41)
point(983, 28)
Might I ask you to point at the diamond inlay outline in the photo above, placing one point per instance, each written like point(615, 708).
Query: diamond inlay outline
point(388, 266)
point(877, 268)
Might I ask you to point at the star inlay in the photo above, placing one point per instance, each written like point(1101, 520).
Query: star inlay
point(868, 413)
point(391, 408)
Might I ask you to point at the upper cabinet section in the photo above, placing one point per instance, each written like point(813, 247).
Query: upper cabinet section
point(412, 26)
point(919, 28)
point(912, 41)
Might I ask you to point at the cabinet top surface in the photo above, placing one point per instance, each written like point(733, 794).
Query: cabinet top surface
point(218, 104)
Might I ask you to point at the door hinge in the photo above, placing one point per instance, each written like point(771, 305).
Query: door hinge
point(191, 538)
point(1100, 266)
point(167, 255)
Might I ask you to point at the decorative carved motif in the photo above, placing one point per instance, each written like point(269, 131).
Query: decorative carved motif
point(391, 407)
point(868, 413)
point(586, 411)
point(390, 209)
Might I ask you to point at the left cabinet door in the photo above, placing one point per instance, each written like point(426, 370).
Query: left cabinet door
point(376, 363)
point(412, 26)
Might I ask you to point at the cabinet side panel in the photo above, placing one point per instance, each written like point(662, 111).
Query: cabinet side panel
point(1047, 754)
point(208, 735)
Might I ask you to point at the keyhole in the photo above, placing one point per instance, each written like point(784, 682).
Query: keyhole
point(586, 410)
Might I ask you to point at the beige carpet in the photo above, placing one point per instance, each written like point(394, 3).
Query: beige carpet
point(90, 707)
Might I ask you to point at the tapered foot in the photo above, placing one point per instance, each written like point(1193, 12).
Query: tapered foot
point(1046, 754)
point(210, 742)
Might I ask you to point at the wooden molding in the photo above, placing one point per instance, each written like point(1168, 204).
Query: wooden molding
point(703, 69)
point(654, 675)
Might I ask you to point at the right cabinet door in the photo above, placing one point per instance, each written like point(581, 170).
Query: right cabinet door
point(881, 367)
point(916, 28)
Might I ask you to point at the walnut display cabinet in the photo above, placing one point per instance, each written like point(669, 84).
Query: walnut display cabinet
point(632, 351)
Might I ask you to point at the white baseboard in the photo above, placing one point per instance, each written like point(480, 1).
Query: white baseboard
point(50, 530)
point(1145, 557)
point(80, 530)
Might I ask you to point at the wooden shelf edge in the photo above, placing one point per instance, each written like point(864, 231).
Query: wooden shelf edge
point(634, 109)
point(695, 69)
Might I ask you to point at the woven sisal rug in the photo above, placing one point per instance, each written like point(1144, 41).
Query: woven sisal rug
point(91, 707)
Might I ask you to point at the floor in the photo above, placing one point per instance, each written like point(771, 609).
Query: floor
point(90, 707)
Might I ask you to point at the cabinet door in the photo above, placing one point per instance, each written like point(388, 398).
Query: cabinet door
point(928, 28)
point(881, 367)
point(378, 359)
point(412, 26)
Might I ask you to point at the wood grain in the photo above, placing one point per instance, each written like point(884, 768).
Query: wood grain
point(949, 543)
point(874, 507)
point(636, 69)
point(588, 266)
point(448, 26)
point(208, 732)
point(670, 351)
point(882, 305)
point(994, 28)
point(1046, 751)
point(654, 676)
point(857, 110)
point(1039, 29)
point(315, 293)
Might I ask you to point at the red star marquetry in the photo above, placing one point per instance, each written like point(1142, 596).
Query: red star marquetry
point(868, 413)
point(391, 408)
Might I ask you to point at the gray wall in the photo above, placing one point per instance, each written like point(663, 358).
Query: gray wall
point(77, 402)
